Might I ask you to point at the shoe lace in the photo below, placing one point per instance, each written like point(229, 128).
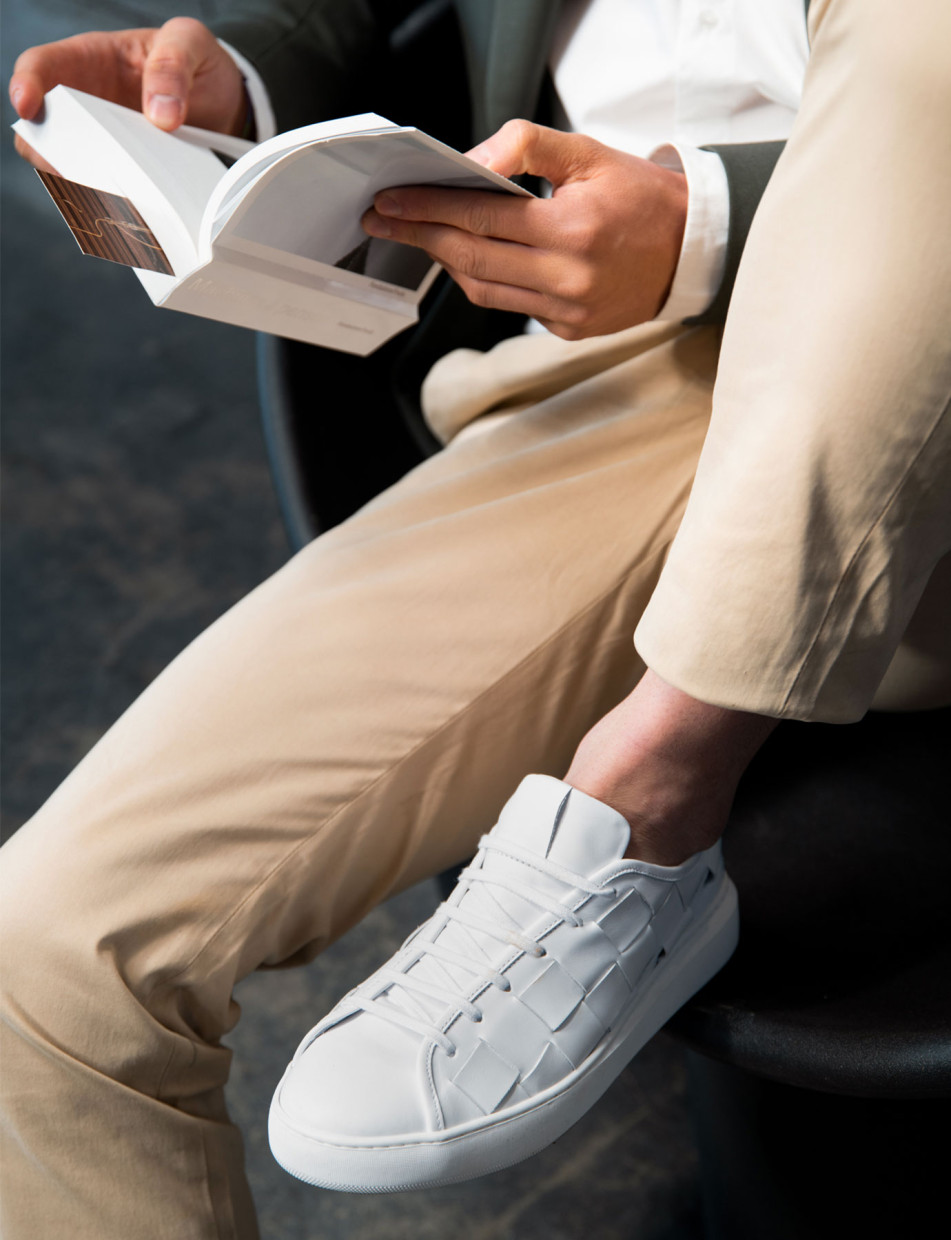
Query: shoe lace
point(376, 995)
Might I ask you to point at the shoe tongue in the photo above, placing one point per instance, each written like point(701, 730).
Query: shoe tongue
point(554, 820)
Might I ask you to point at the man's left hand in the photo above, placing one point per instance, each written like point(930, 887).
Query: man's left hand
point(596, 257)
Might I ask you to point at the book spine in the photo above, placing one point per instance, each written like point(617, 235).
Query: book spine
point(233, 293)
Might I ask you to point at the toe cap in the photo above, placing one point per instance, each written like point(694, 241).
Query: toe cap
point(360, 1078)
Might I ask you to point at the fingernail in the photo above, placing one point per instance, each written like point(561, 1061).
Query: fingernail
point(388, 205)
point(165, 110)
point(480, 155)
point(15, 96)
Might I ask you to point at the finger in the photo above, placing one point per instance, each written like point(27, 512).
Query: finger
point(505, 276)
point(482, 258)
point(102, 63)
point(558, 316)
point(179, 49)
point(521, 147)
point(26, 93)
point(39, 69)
point(482, 213)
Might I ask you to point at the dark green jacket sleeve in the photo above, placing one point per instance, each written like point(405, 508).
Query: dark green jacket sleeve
point(748, 166)
point(311, 54)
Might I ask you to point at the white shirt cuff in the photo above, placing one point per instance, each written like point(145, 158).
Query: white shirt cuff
point(703, 252)
point(264, 122)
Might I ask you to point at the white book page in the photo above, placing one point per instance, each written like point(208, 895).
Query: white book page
point(239, 178)
point(112, 148)
point(309, 202)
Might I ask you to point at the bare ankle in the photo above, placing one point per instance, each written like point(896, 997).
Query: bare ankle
point(670, 764)
point(668, 822)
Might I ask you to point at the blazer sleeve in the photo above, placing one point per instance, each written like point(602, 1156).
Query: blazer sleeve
point(311, 54)
point(748, 165)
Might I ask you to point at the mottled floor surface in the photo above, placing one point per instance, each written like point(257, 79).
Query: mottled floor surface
point(138, 507)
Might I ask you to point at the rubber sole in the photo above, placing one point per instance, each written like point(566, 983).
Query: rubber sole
point(505, 1137)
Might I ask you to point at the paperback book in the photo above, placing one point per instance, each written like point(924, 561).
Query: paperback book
point(264, 235)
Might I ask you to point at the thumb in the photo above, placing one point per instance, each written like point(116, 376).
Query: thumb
point(523, 147)
point(169, 71)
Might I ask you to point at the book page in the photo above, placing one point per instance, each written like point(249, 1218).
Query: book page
point(113, 149)
point(311, 201)
point(237, 181)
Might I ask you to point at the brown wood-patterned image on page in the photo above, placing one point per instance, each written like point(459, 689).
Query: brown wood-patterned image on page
point(106, 225)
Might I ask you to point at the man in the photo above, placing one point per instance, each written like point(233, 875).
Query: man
point(358, 721)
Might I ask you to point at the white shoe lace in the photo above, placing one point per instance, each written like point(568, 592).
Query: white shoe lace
point(375, 995)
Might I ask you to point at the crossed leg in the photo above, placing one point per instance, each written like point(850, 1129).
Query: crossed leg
point(357, 721)
point(350, 727)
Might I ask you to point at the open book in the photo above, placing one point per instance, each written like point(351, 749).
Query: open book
point(272, 242)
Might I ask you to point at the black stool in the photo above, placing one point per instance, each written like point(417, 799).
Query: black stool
point(820, 1057)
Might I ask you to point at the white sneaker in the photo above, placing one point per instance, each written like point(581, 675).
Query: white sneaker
point(503, 1018)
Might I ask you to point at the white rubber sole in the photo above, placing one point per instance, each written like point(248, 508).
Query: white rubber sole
point(508, 1136)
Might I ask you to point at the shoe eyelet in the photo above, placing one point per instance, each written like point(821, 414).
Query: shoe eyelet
point(451, 1054)
point(477, 1019)
point(507, 987)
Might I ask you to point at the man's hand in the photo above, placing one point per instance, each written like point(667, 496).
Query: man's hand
point(596, 257)
point(173, 74)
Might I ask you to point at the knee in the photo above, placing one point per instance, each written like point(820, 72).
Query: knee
point(64, 977)
point(95, 969)
point(48, 969)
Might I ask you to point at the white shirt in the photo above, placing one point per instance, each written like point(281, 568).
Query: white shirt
point(659, 79)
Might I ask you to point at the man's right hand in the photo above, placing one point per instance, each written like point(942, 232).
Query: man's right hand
point(173, 74)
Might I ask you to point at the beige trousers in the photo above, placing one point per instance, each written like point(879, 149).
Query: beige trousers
point(357, 721)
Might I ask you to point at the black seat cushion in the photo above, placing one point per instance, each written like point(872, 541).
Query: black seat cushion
point(840, 847)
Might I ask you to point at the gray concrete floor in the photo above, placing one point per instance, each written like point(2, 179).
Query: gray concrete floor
point(137, 508)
